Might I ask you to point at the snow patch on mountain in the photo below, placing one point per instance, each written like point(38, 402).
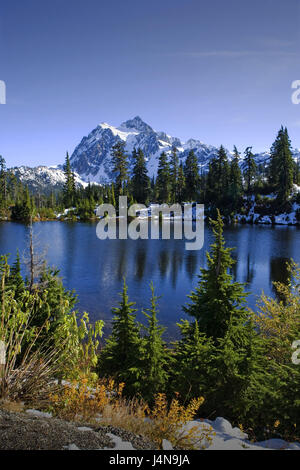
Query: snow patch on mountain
point(92, 160)
point(43, 178)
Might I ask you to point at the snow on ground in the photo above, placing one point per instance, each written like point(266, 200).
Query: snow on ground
point(225, 437)
point(286, 218)
point(119, 443)
point(39, 414)
point(189, 213)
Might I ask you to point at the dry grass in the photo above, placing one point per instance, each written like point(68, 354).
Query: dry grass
point(105, 405)
point(13, 406)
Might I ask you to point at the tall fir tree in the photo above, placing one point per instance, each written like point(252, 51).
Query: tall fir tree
point(218, 180)
point(155, 355)
point(69, 185)
point(192, 178)
point(140, 180)
point(174, 175)
point(217, 298)
point(163, 183)
point(181, 184)
point(120, 166)
point(3, 183)
point(122, 352)
point(249, 169)
point(236, 180)
point(281, 172)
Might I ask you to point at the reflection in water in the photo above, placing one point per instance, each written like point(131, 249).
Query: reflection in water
point(177, 259)
point(164, 262)
point(278, 270)
point(95, 268)
point(279, 273)
point(250, 270)
point(122, 259)
point(140, 262)
point(191, 263)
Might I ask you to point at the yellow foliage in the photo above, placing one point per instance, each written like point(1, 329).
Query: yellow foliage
point(167, 422)
point(78, 401)
point(279, 320)
point(105, 405)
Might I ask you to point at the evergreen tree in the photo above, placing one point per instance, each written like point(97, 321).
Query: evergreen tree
point(281, 172)
point(218, 180)
point(249, 169)
point(192, 179)
point(181, 183)
point(121, 355)
point(3, 183)
point(23, 209)
point(217, 298)
point(163, 179)
point(174, 175)
point(120, 166)
point(15, 280)
point(69, 185)
point(55, 303)
point(239, 378)
point(236, 180)
point(112, 198)
point(155, 356)
point(140, 180)
point(193, 370)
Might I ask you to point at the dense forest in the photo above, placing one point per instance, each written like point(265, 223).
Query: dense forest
point(230, 184)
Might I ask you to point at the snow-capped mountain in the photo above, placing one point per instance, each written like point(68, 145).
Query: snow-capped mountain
point(92, 161)
point(42, 178)
point(92, 157)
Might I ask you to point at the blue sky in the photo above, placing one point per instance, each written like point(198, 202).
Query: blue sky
point(209, 69)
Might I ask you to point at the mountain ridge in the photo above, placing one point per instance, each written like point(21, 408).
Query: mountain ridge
point(91, 160)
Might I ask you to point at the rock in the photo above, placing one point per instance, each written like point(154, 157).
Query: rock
point(27, 431)
point(166, 445)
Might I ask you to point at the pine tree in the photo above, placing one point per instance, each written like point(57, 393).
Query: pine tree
point(174, 175)
point(15, 279)
point(140, 180)
point(3, 183)
point(163, 179)
point(236, 180)
point(192, 179)
point(25, 208)
point(193, 372)
point(181, 184)
point(69, 185)
point(249, 169)
point(112, 198)
point(217, 298)
point(239, 378)
point(120, 166)
point(281, 171)
point(121, 355)
point(155, 356)
point(218, 180)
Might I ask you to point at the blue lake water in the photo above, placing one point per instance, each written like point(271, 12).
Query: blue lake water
point(95, 268)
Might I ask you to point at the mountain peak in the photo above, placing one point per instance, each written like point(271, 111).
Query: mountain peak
point(136, 123)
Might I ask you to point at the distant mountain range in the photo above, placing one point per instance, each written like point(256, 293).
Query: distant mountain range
point(43, 178)
point(91, 159)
